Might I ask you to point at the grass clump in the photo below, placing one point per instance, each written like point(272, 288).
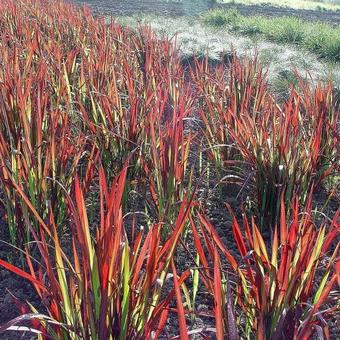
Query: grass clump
point(319, 38)
point(267, 284)
point(324, 41)
point(239, 113)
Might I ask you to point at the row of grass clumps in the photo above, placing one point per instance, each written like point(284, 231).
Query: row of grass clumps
point(320, 38)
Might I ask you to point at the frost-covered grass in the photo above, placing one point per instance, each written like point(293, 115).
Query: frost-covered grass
point(192, 37)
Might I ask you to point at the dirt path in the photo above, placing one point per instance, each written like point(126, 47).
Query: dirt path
point(196, 7)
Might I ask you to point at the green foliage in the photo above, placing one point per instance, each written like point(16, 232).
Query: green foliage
point(319, 5)
point(319, 38)
point(324, 41)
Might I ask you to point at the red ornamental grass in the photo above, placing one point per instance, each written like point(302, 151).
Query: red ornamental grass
point(119, 80)
point(68, 76)
point(37, 144)
point(287, 147)
point(290, 148)
point(276, 287)
point(213, 276)
point(238, 86)
point(166, 163)
point(112, 286)
point(40, 147)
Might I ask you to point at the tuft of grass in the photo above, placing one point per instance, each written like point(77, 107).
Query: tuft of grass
point(113, 285)
point(39, 150)
point(239, 113)
point(324, 41)
point(283, 289)
point(165, 164)
point(241, 87)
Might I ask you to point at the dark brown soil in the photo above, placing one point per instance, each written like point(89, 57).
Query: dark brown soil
point(11, 284)
point(196, 7)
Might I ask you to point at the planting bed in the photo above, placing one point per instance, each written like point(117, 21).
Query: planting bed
point(154, 195)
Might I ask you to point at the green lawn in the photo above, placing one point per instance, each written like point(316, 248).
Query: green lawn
point(319, 38)
point(332, 5)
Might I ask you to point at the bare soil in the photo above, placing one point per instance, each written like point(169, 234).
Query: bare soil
point(12, 285)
